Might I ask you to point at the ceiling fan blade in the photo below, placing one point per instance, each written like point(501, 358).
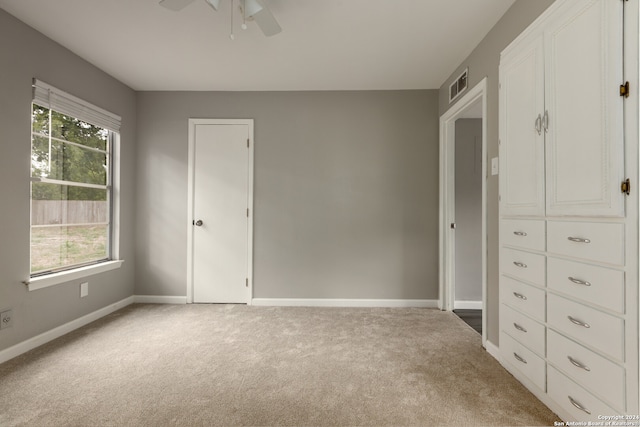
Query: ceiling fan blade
point(266, 21)
point(175, 5)
point(250, 7)
point(215, 4)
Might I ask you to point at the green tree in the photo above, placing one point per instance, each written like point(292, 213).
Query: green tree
point(63, 148)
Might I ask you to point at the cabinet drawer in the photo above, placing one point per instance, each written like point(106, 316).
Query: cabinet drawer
point(524, 329)
point(528, 234)
point(522, 297)
point(523, 265)
point(571, 397)
point(523, 359)
point(597, 374)
point(597, 285)
point(594, 328)
point(603, 242)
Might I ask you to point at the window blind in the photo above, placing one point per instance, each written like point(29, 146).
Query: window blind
point(55, 99)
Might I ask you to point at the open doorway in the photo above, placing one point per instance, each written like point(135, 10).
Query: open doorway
point(467, 285)
point(463, 174)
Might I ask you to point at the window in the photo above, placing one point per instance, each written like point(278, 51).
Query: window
point(72, 146)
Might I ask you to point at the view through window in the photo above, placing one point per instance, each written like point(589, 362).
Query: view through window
point(70, 192)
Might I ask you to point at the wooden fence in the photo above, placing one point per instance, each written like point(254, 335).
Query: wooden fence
point(50, 212)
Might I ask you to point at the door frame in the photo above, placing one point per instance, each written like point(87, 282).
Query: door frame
point(190, 200)
point(446, 275)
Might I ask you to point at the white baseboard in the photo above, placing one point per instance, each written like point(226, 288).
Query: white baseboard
point(492, 349)
point(159, 299)
point(467, 305)
point(330, 302)
point(54, 333)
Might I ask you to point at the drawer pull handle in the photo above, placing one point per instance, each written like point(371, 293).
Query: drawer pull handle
point(520, 296)
point(578, 322)
point(579, 240)
point(539, 124)
point(519, 264)
point(577, 364)
point(578, 405)
point(579, 282)
point(520, 328)
point(519, 358)
point(520, 233)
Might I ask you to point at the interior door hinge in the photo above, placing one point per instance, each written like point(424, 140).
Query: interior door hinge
point(247, 212)
point(625, 187)
point(247, 142)
point(624, 89)
point(246, 283)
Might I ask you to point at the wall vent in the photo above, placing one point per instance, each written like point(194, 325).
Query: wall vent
point(458, 86)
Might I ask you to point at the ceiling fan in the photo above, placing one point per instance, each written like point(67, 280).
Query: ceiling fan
point(252, 10)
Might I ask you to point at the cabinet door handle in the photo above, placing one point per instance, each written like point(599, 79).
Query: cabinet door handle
point(519, 358)
point(575, 363)
point(579, 240)
point(519, 264)
point(579, 282)
point(539, 124)
point(578, 405)
point(520, 296)
point(578, 322)
point(520, 328)
point(545, 121)
point(520, 233)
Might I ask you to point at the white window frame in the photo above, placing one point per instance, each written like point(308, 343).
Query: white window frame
point(47, 96)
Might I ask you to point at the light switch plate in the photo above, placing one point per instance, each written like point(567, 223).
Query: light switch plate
point(84, 289)
point(494, 166)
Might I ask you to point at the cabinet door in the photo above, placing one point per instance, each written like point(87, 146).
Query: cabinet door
point(584, 139)
point(521, 141)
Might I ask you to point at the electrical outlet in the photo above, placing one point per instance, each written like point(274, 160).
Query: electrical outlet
point(6, 319)
point(84, 289)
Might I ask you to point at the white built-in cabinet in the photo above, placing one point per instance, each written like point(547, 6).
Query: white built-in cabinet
point(568, 311)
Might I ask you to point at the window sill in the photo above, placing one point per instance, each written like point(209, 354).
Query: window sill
point(67, 276)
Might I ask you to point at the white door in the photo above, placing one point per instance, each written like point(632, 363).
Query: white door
point(221, 202)
point(521, 133)
point(585, 146)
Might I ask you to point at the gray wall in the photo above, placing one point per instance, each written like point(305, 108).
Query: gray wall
point(346, 201)
point(26, 54)
point(483, 62)
point(468, 200)
point(345, 195)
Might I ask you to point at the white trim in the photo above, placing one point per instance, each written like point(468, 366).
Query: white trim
point(446, 270)
point(190, 189)
point(159, 299)
point(190, 200)
point(116, 158)
point(493, 350)
point(45, 337)
point(336, 302)
point(52, 279)
point(467, 305)
point(632, 160)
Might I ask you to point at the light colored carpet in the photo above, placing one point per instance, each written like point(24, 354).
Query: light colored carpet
point(157, 365)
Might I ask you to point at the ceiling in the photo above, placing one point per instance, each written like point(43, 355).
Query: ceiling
point(324, 45)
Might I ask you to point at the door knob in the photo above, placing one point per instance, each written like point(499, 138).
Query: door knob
point(198, 223)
